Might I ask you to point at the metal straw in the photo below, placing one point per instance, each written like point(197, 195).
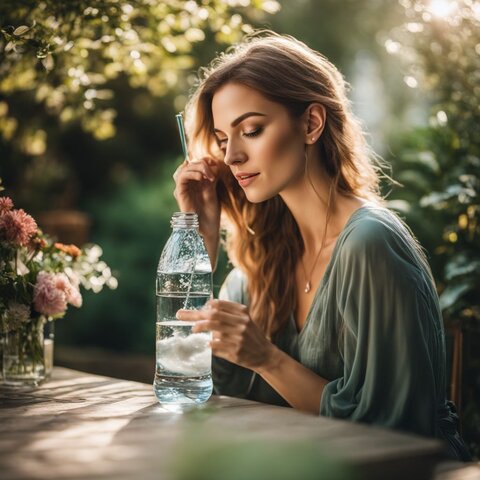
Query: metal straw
point(183, 140)
point(181, 131)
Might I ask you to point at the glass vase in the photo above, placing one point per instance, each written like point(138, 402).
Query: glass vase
point(28, 353)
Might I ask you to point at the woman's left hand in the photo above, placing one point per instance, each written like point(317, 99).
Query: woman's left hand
point(235, 337)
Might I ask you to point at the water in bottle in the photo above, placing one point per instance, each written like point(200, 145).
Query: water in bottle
point(184, 281)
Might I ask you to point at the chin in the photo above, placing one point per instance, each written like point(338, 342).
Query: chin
point(259, 197)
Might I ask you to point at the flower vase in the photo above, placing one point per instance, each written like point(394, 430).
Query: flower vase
point(28, 353)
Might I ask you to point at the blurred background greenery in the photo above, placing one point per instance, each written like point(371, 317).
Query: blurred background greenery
point(88, 142)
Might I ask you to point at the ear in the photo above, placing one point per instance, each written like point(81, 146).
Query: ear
point(314, 121)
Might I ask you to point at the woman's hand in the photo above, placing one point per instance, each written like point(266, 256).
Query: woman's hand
point(195, 191)
point(235, 337)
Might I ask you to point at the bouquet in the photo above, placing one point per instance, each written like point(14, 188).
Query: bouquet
point(39, 279)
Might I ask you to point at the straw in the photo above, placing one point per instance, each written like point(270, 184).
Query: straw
point(183, 139)
point(190, 281)
point(181, 131)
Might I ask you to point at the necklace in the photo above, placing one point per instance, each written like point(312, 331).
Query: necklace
point(308, 283)
point(308, 279)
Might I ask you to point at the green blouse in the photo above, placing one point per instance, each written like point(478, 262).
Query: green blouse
point(374, 331)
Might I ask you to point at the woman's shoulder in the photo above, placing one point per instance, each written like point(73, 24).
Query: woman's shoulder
point(374, 229)
point(376, 243)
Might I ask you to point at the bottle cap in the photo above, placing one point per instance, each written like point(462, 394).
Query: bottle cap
point(184, 220)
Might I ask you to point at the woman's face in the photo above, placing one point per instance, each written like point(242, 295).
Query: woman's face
point(263, 146)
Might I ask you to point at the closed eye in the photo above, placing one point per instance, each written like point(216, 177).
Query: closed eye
point(253, 133)
point(221, 142)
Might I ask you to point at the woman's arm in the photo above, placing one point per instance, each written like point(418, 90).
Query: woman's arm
point(237, 338)
point(297, 384)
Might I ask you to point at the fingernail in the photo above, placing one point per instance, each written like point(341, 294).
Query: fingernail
point(179, 315)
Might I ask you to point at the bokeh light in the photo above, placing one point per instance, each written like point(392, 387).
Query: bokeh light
point(442, 8)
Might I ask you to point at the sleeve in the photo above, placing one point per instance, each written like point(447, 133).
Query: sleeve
point(387, 335)
point(228, 378)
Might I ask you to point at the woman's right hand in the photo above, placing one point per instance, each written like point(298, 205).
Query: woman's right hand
point(195, 191)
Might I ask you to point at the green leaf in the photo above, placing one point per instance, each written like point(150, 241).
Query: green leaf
point(453, 293)
point(401, 206)
point(473, 160)
point(433, 199)
point(22, 30)
point(415, 179)
point(428, 159)
point(9, 46)
point(457, 268)
point(48, 63)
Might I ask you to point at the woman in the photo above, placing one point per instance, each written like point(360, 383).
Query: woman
point(331, 308)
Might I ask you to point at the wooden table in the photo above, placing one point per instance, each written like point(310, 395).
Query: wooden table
point(84, 426)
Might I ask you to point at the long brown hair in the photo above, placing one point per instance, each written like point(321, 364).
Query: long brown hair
point(290, 73)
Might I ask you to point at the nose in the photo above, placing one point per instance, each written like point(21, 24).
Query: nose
point(234, 155)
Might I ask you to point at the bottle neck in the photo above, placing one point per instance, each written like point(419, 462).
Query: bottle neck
point(184, 220)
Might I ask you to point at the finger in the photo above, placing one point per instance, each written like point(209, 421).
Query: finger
point(213, 165)
point(227, 306)
point(206, 160)
point(205, 169)
point(217, 319)
point(217, 326)
point(188, 176)
point(191, 315)
point(179, 168)
point(202, 166)
point(183, 174)
point(176, 173)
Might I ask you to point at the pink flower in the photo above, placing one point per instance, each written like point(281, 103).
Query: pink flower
point(53, 291)
point(48, 299)
point(62, 282)
point(6, 204)
point(17, 226)
point(72, 294)
point(75, 298)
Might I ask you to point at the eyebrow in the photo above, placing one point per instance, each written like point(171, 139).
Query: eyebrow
point(242, 117)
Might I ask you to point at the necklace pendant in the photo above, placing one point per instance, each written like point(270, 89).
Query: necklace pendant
point(307, 287)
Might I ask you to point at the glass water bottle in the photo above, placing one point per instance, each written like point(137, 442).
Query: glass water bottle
point(184, 281)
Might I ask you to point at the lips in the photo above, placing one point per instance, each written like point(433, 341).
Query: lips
point(244, 175)
point(246, 178)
